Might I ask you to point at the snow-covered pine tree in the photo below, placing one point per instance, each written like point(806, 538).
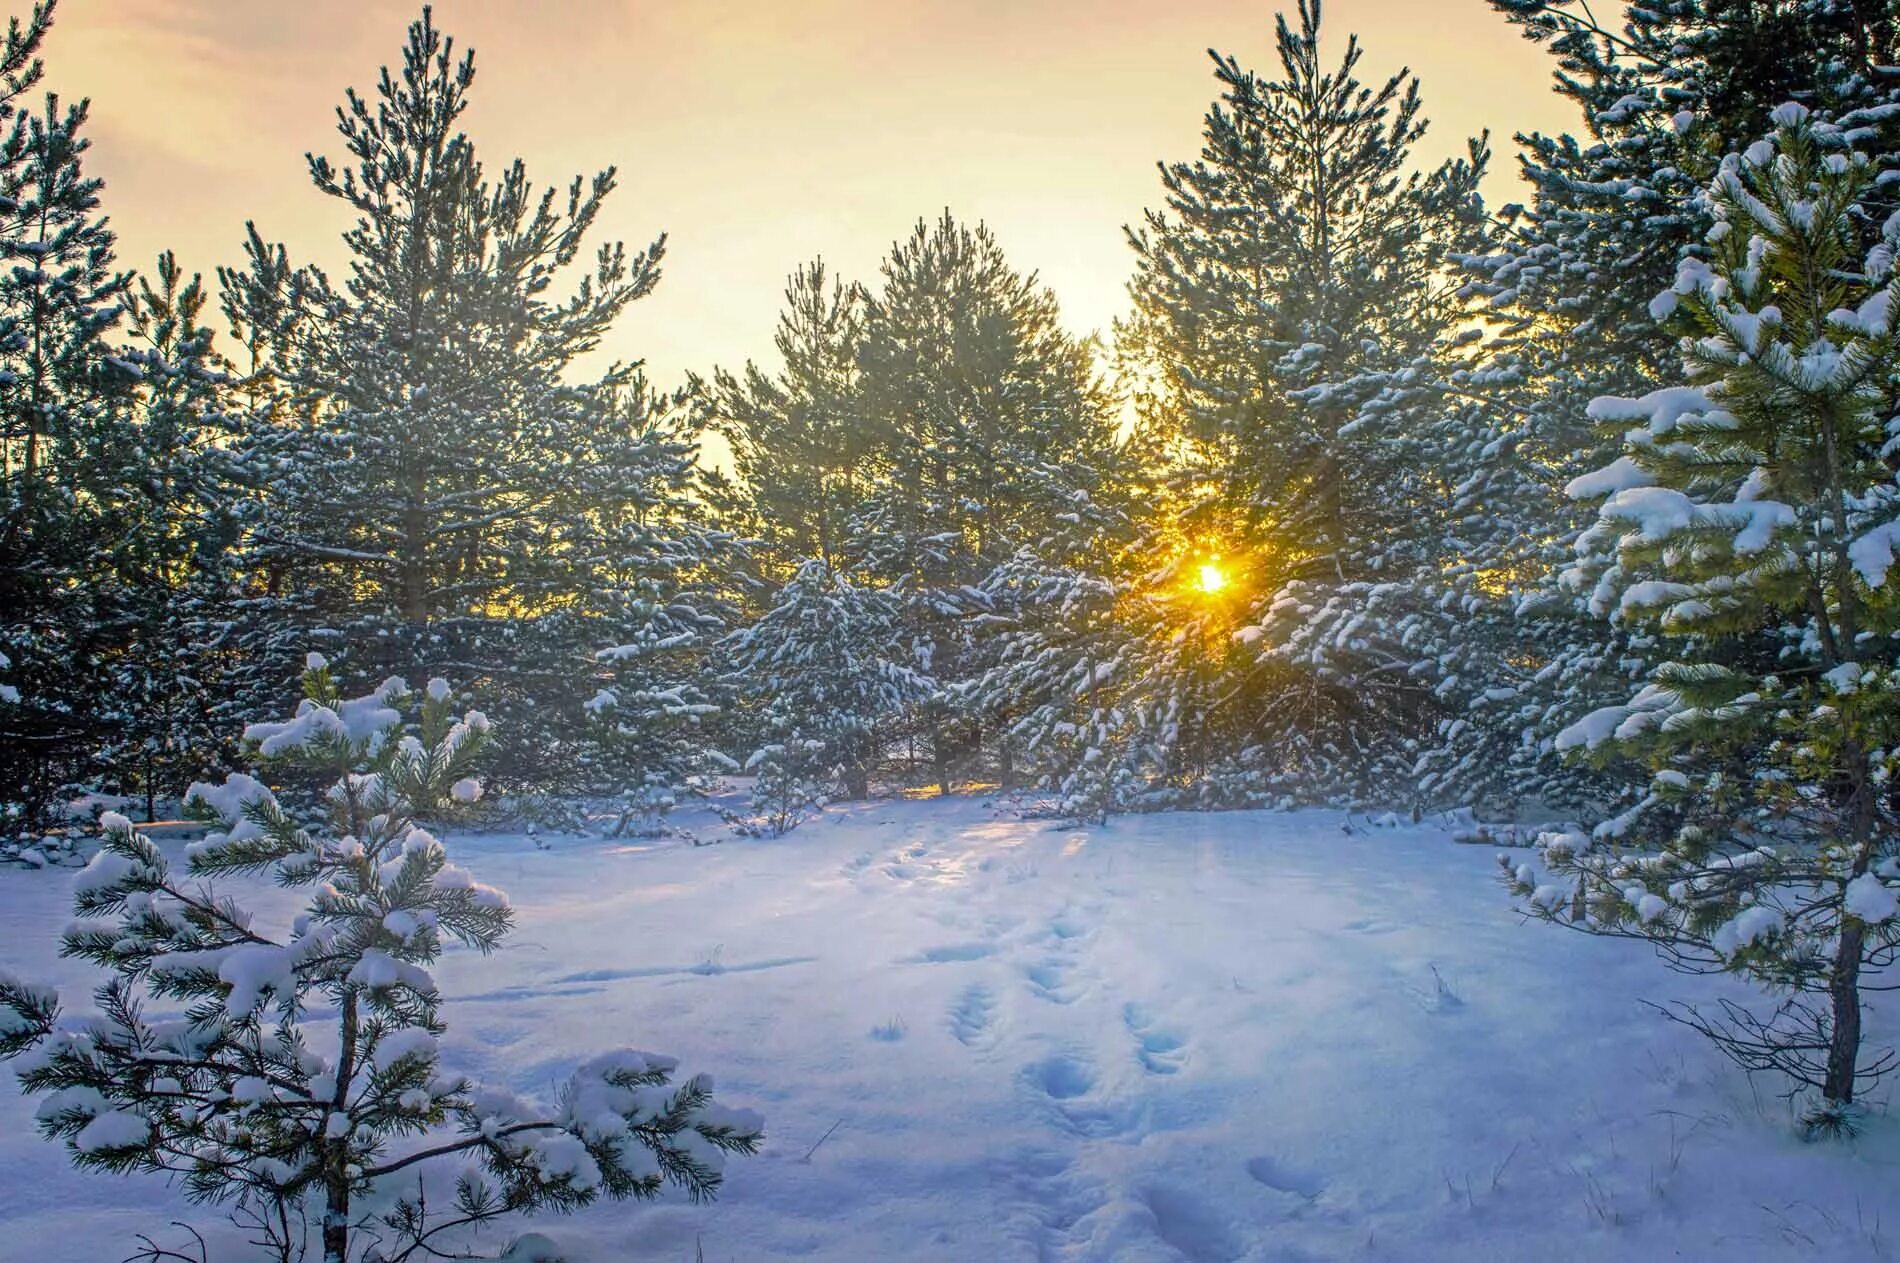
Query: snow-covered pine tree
point(304, 1074)
point(1296, 270)
point(652, 578)
point(982, 405)
point(1752, 521)
point(801, 446)
point(426, 438)
point(827, 669)
point(172, 659)
point(61, 432)
point(1663, 92)
point(1061, 656)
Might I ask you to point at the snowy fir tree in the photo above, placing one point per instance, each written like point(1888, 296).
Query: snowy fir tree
point(84, 504)
point(302, 1076)
point(1752, 521)
point(831, 664)
point(441, 496)
point(1662, 93)
point(176, 684)
point(801, 444)
point(1296, 269)
point(986, 415)
point(643, 582)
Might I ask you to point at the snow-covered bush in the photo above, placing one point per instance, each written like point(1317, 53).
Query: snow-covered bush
point(1752, 523)
point(298, 1073)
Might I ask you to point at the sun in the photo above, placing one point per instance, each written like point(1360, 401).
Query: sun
point(1211, 579)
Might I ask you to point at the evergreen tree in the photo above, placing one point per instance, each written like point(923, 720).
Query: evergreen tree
point(62, 435)
point(801, 444)
point(172, 657)
point(1752, 522)
point(1662, 95)
point(662, 578)
point(239, 1101)
point(426, 445)
point(988, 416)
point(830, 668)
point(1297, 272)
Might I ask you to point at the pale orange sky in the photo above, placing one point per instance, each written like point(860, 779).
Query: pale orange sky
point(757, 134)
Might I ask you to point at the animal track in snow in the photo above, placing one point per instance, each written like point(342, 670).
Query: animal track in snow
point(1069, 924)
point(973, 1016)
point(1050, 981)
point(1065, 1084)
point(1284, 1177)
point(1054, 1198)
point(1159, 1049)
point(1194, 1227)
point(1062, 1077)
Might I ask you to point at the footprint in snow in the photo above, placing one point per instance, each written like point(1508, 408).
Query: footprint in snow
point(1061, 1077)
point(1285, 1177)
point(1159, 1049)
point(1194, 1227)
point(1067, 924)
point(906, 864)
point(1065, 1084)
point(1050, 981)
point(973, 1016)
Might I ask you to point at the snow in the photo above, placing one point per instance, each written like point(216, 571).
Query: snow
point(1619, 475)
point(1750, 926)
point(1251, 1036)
point(114, 1129)
point(360, 719)
point(409, 1042)
point(1872, 553)
point(229, 800)
point(1870, 899)
point(1661, 409)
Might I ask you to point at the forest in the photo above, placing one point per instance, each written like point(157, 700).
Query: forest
point(1562, 528)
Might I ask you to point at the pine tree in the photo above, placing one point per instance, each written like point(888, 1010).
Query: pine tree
point(828, 668)
point(173, 522)
point(1752, 521)
point(62, 434)
point(1296, 273)
point(426, 440)
point(1662, 95)
point(801, 444)
point(633, 586)
point(984, 409)
point(239, 1101)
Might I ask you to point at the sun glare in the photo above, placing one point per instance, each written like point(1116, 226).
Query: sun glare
point(1212, 578)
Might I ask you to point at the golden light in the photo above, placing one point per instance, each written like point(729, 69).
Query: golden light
point(1212, 578)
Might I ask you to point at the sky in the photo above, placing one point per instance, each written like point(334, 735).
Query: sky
point(755, 133)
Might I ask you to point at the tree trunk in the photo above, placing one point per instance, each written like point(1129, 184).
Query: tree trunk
point(857, 776)
point(336, 1222)
point(940, 758)
point(1844, 986)
point(1844, 989)
point(336, 1153)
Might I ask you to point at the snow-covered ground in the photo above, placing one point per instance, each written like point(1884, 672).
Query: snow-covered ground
point(1253, 1036)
